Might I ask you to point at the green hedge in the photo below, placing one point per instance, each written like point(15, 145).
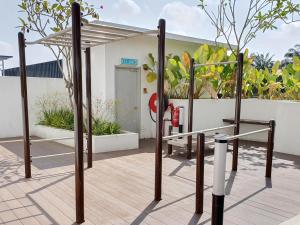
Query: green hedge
point(63, 118)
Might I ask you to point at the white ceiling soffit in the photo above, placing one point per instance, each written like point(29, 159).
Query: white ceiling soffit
point(92, 34)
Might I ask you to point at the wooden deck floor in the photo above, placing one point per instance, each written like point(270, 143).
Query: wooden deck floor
point(119, 189)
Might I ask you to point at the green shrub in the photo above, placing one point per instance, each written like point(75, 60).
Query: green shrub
point(55, 112)
point(101, 127)
point(58, 118)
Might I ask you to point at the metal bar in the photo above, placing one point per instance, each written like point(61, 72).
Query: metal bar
point(89, 107)
point(215, 64)
point(197, 132)
point(200, 173)
point(54, 155)
point(271, 135)
point(78, 116)
point(160, 111)
point(36, 140)
point(246, 134)
point(50, 139)
point(23, 77)
point(238, 102)
point(11, 141)
point(248, 121)
point(209, 142)
point(190, 109)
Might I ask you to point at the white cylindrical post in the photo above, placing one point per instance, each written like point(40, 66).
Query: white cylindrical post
point(221, 146)
point(181, 119)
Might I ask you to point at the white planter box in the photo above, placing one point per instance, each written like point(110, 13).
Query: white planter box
point(105, 143)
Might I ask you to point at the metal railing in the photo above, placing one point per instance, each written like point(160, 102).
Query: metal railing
point(197, 132)
point(38, 140)
point(215, 64)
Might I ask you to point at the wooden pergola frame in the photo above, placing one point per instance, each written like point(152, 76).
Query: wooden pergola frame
point(81, 36)
point(84, 36)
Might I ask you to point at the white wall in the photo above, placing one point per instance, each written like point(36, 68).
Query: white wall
point(137, 48)
point(10, 101)
point(209, 113)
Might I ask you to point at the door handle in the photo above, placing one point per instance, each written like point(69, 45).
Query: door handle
point(135, 108)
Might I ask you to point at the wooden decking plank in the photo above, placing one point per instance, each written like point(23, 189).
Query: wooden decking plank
point(119, 189)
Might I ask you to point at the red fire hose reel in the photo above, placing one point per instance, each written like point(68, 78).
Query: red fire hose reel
point(176, 112)
point(152, 102)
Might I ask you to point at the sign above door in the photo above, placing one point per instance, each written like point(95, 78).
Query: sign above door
point(128, 61)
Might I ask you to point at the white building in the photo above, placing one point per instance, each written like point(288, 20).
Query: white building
point(114, 80)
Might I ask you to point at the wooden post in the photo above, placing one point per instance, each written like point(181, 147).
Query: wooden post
point(78, 116)
point(200, 173)
point(238, 101)
point(160, 109)
point(170, 147)
point(190, 109)
point(271, 135)
point(23, 78)
point(89, 108)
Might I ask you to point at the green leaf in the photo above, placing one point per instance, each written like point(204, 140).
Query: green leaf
point(22, 21)
point(145, 67)
point(151, 60)
point(172, 64)
point(296, 64)
point(275, 67)
point(202, 54)
point(55, 29)
point(151, 76)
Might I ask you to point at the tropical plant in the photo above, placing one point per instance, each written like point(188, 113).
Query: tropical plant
point(43, 17)
point(101, 127)
point(260, 16)
point(291, 79)
point(209, 80)
point(289, 56)
point(151, 69)
point(263, 61)
point(273, 83)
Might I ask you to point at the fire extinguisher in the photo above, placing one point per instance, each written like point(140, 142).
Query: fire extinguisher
point(178, 118)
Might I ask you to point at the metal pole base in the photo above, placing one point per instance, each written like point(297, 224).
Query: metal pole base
point(217, 210)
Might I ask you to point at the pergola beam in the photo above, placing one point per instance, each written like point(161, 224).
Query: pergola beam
point(101, 32)
point(112, 28)
point(56, 43)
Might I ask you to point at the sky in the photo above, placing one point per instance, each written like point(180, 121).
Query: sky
point(183, 17)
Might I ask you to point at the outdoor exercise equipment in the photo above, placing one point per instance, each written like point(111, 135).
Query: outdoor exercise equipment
point(77, 96)
point(188, 143)
point(220, 153)
point(71, 37)
point(80, 36)
point(221, 143)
